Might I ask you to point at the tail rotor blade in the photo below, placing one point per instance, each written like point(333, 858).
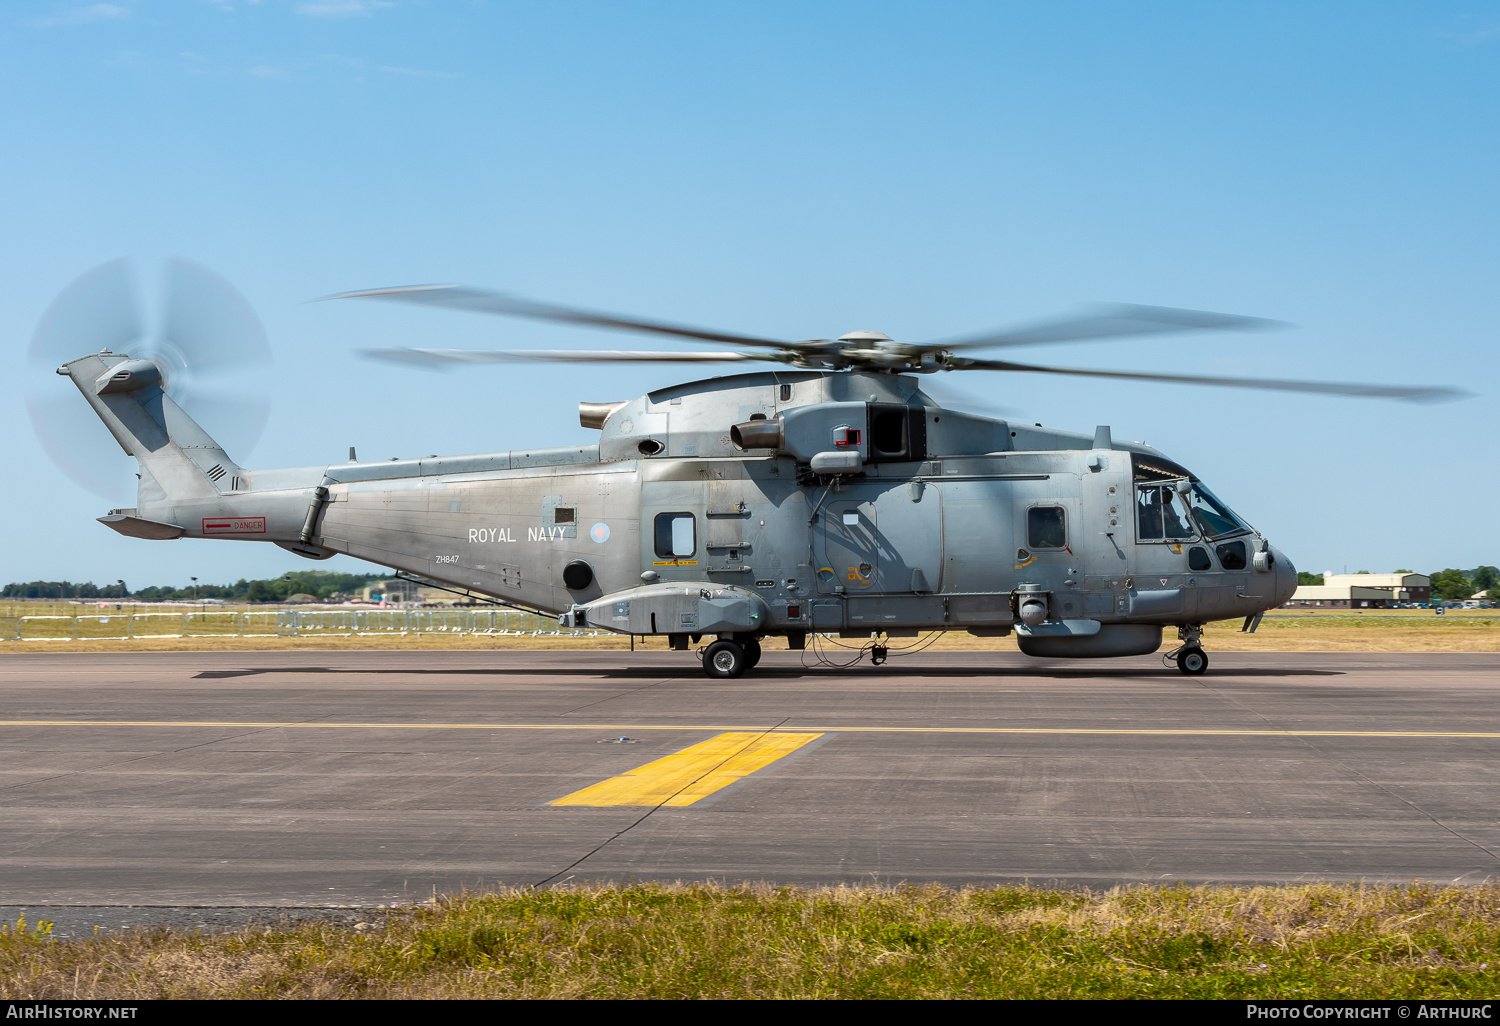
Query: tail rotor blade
point(79, 443)
point(98, 310)
point(214, 351)
point(211, 348)
point(209, 322)
point(234, 417)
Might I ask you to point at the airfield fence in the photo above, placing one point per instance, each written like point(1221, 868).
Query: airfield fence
point(284, 623)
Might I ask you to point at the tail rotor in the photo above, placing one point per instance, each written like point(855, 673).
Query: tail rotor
point(206, 339)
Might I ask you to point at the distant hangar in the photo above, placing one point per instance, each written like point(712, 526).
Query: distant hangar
point(1363, 591)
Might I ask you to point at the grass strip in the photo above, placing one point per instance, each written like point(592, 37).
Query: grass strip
point(1344, 634)
point(1375, 630)
point(705, 941)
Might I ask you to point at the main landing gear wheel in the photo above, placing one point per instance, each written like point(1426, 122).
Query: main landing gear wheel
point(1192, 661)
point(725, 660)
point(752, 653)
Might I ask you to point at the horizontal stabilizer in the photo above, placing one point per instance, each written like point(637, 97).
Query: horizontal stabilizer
point(126, 522)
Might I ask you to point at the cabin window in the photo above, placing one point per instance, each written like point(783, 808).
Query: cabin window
point(676, 535)
point(1231, 555)
point(564, 515)
point(1046, 527)
point(1198, 558)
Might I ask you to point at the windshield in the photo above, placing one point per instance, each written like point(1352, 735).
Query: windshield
point(1216, 519)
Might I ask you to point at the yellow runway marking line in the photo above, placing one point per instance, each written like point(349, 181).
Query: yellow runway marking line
point(697, 727)
point(685, 777)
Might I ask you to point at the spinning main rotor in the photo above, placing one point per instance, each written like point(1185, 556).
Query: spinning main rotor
point(868, 351)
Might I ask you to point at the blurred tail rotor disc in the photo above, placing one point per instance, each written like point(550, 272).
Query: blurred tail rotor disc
point(207, 340)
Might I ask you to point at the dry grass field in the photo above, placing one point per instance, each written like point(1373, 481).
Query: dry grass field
point(1396, 630)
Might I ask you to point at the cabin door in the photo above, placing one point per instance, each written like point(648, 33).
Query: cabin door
point(882, 539)
point(848, 549)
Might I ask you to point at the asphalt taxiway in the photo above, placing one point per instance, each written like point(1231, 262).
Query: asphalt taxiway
point(351, 778)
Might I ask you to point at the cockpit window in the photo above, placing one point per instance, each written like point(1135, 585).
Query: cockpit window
point(1162, 509)
point(1216, 519)
point(1161, 515)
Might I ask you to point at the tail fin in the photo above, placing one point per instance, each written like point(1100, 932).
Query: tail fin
point(178, 460)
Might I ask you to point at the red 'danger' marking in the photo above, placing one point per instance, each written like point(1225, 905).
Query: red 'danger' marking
point(234, 525)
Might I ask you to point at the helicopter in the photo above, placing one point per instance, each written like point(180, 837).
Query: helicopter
point(824, 495)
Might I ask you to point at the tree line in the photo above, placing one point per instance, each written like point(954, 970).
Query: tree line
point(320, 584)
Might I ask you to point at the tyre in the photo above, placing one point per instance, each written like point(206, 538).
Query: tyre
point(752, 653)
point(724, 660)
point(1192, 661)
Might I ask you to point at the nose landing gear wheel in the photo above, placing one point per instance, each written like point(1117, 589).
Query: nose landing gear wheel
point(724, 660)
point(1192, 661)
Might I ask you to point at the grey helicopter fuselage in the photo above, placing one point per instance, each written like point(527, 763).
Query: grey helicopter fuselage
point(780, 503)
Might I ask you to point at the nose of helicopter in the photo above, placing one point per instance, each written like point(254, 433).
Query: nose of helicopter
point(1285, 583)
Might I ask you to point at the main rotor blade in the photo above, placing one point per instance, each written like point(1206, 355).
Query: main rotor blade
point(449, 357)
point(463, 297)
point(951, 398)
point(1111, 320)
point(1418, 394)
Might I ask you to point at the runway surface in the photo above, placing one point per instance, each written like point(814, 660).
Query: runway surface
point(350, 778)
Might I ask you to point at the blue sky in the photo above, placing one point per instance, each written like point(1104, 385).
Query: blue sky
point(797, 171)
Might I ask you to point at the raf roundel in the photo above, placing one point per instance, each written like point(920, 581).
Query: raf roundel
point(599, 532)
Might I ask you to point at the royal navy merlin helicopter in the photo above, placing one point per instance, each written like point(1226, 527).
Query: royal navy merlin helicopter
point(825, 495)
